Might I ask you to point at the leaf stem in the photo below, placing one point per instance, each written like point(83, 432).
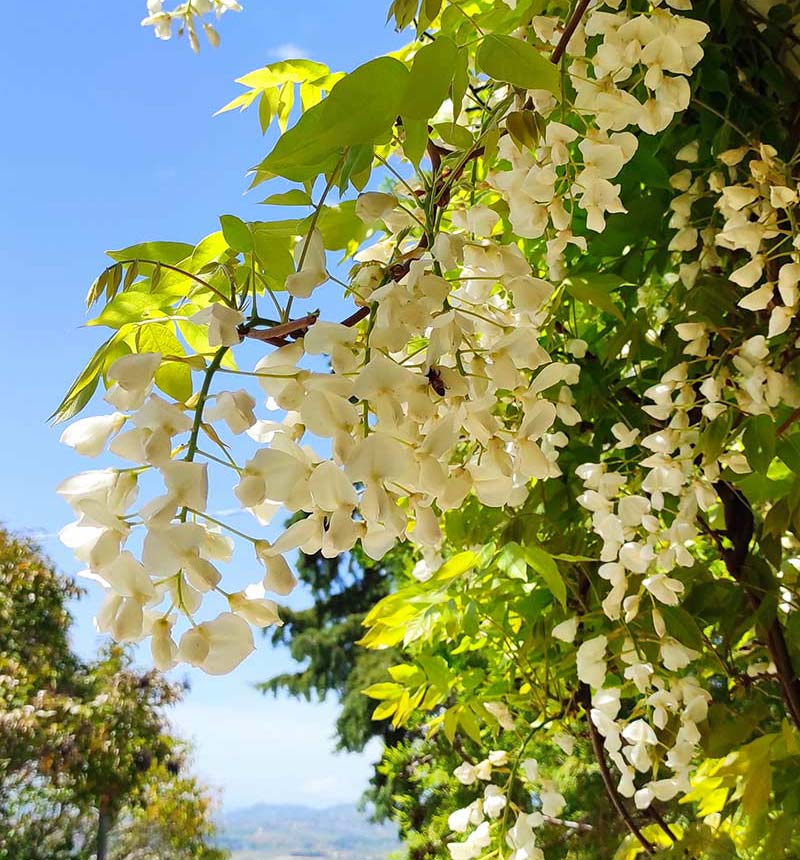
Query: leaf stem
point(183, 272)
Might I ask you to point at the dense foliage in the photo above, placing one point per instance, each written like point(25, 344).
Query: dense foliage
point(564, 372)
point(88, 766)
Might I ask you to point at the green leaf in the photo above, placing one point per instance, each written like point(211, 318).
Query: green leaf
point(295, 197)
point(341, 228)
point(357, 166)
point(237, 234)
point(544, 564)
point(284, 71)
point(407, 675)
point(352, 114)
point(758, 779)
point(131, 275)
point(712, 438)
point(403, 12)
point(384, 690)
point(789, 451)
point(415, 139)
point(267, 108)
point(275, 255)
point(726, 730)
point(128, 308)
point(469, 723)
point(436, 670)
point(460, 80)
point(682, 626)
point(430, 78)
point(512, 561)
point(164, 252)
point(470, 620)
point(595, 290)
point(384, 710)
point(759, 442)
point(242, 101)
point(302, 152)
point(451, 722)
point(174, 378)
point(457, 564)
point(505, 58)
point(523, 128)
point(455, 135)
point(84, 386)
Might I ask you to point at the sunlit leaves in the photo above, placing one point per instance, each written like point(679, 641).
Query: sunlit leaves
point(350, 115)
point(430, 79)
point(507, 58)
point(84, 386)
point(274, 86)
point(173, 377)
point(237, 234)
point(161, 252)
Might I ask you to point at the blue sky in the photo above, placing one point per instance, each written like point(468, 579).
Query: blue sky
point(108, 140)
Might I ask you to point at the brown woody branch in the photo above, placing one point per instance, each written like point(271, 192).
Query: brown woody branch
point(570, 28)
point(740, 525)
point(782, 428)
point(585, 698)
point(277, 334)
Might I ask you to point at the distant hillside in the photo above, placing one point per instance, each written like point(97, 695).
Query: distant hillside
point(272, 832)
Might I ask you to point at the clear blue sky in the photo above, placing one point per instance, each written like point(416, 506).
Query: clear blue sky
point(109, 140)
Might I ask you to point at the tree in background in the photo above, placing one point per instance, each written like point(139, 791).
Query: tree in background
point(86, 756)
point(564, 371)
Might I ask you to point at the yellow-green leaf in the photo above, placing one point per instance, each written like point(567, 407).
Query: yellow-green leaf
point(506, 58)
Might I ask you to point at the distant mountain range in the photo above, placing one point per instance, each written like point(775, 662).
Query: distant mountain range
point(277, 832)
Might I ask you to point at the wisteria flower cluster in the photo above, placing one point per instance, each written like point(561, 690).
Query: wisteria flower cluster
point(514, 346)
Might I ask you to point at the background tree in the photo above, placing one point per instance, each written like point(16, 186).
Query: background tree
point(84, 746)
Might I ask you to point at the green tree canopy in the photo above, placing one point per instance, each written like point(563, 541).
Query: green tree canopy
point(84, 746)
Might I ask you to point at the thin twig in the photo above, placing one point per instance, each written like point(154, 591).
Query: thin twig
point(183, 272)
point(782, 428)
point(277, 334)
point(585, 698)
point(740, 526)
point(659, 820)
point(570, 28)
point(579, 826)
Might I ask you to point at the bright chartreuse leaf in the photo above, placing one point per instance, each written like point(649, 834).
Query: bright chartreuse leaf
point(237, 234)
point(293, 197)
point(361, 106)
point(458, 564)
point(160, 252)
point(282, 72)
point(341, 228)
point(84, 386)
point(128, 308)
point(173, 377)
